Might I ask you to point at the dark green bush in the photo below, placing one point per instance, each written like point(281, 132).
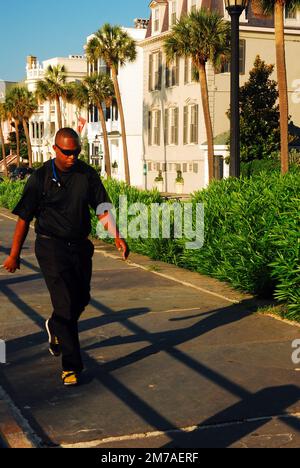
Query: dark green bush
point(252, 235)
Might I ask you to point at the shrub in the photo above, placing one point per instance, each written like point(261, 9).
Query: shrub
point(252, 230)
point(252, 235)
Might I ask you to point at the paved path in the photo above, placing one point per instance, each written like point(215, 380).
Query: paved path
point(173, 359)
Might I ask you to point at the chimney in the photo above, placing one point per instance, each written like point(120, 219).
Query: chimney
point(140, 23)
point(31, 62)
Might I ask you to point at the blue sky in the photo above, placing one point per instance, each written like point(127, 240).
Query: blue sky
point(55, 28)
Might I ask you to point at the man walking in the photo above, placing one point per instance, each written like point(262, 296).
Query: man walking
point(59, 195)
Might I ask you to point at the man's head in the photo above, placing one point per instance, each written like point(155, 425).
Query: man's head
point(67, 148)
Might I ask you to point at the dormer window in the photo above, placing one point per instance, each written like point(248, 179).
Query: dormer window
point(173, 12)
point(156, 20)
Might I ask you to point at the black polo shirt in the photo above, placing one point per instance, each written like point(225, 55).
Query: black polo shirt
point(64, 212)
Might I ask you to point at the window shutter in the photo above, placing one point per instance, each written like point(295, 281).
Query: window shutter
point(191, 124)
point(149, 128)
point(159, 70)
point(159, 126)
point(185, 125)
point(177, 71)
point(167, 76)
point(150, 72)
point(166, 127)
point(196, 124)
point(176, 116)
point(242, 56)
point(186, 71)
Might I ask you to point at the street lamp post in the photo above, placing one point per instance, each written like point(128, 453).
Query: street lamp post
point(235, 8)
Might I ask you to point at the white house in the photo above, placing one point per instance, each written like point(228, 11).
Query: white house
point(43, 124)
point(131, 78)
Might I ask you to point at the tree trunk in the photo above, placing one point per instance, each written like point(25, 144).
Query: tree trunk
point(282, 85)
point(18, 141)
point(59, 114)
point(207, 120)
point(29, 147)
point(123, 127)
point(3, 151)
point(106, 145)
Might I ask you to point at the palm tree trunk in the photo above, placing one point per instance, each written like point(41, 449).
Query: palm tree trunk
point(123, 127)
point(29, 147)
point(282, 84)
point(106, 145)
point(207, 120)
point(17, 123)
point(3, 150)
point(59, 114)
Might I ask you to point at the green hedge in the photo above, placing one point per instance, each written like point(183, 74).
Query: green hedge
point(252, 236)
point(252, 230)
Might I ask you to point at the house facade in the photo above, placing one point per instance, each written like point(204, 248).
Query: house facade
point(131, 87)
point(174, 130)
point(43, 125)
point(4, 88)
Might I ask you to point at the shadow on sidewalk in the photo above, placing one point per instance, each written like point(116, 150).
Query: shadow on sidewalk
point(268, 402)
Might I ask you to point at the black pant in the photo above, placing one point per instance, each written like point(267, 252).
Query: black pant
point(67, 269)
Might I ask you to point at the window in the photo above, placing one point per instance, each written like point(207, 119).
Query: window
point(189, 71)
point(172, 73)
point(155, 71)
point(171, 126)
point(154, 128)
point(52, 129)
point(218, 167)
point(190, 124)
point(173, 12)
point(156, 20)
point(194, 124)
point(226, 66)
point(93, 114)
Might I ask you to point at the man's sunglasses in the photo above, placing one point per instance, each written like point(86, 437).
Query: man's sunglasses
point(69, 153)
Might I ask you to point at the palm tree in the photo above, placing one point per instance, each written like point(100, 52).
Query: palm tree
point(3, 118)
point(52, 88)
point(13, 114)
point(28, 106)
point(113, 45)
point(96, 90)
point(204, 37)
point(24, 105)
point(278, 8)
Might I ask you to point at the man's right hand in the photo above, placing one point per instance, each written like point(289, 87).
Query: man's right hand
point(12, 264)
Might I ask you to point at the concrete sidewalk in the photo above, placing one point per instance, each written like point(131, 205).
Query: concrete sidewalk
point(173, 359)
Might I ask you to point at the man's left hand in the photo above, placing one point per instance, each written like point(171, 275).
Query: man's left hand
point(122, 246)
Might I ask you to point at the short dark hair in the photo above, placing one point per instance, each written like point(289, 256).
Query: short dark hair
point(67, 132)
